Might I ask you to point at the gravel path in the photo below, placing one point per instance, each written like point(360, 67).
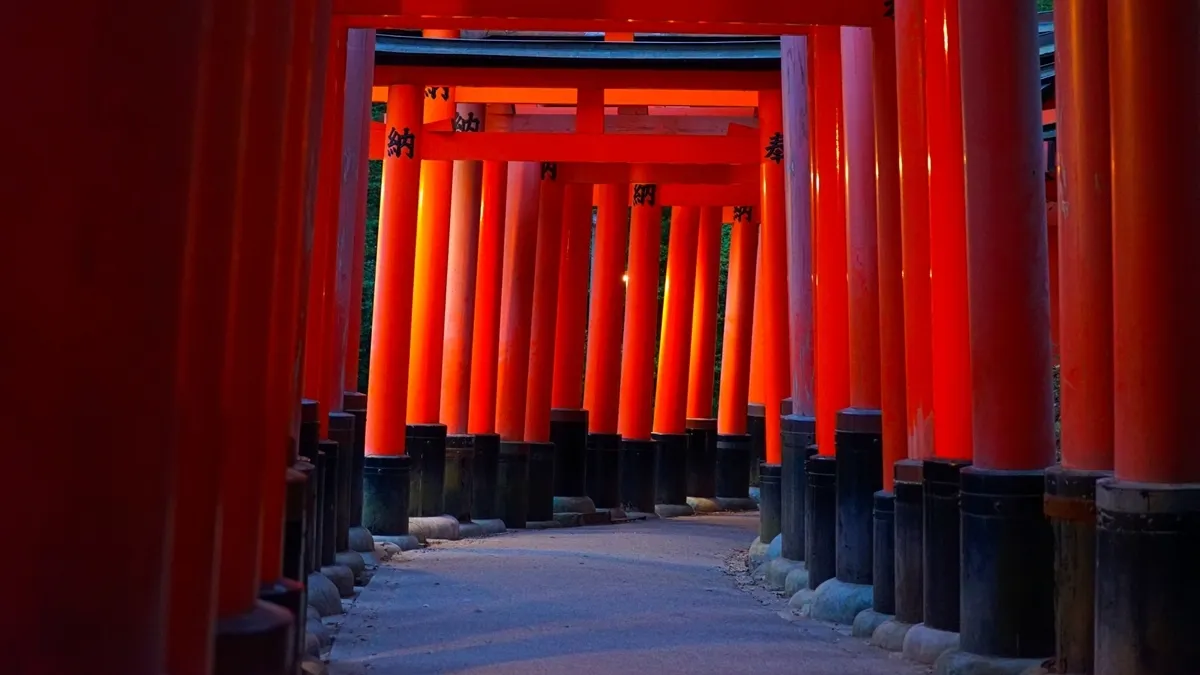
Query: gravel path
point(656, 597)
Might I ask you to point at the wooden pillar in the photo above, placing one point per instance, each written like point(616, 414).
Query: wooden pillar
point(641, 325)
point(1146, 557)
point(739, 302)
point(704, 315)
point(601, 393)
point(773, 274)
point(357, 197)
point(461, 278)
point(798, 183)
point(545, 305)
point(832, 336)
point(670, 394)
point(102, 342)
point(757, 380)
point(488, 283)
point(571, 315)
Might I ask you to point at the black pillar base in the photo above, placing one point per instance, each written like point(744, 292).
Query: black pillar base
point(798, 434)
point(386, 484)
point(512, 484)
point(637, 474)
point(859, 441)
point(1147, 585)
point(1070, 504)
point(568, 433)
point(603, 473)
point(733, 474)
point(820, 518)
point(909, 490)
point(328, 498)
point(256, 643)
point(355, 403)
point(487, 467)
point(295, 524)
point(341, 430)
point(310, 451)
point(702, 458)
point(769, 501)
point(458, 482)
point(940, 565)
point(670, 469)
point(292, 596)
point(426, 444)
point(883, 574)
point(756, 427)
point(541, 482)
point(1007, 565)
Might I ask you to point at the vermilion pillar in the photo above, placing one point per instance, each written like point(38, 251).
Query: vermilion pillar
point(429, 273)
point(516, 314)
point(671, 391)
point(358, 199)
point(832, 337)
point(488, 282)
point(1006, 541)
point(704, 315)
point(386, 472)
point(102, 341)
point(733, 444)
point(756, 409)
point(1085, 310)
point(947, 233)
point(635, 421)
point(203, 320)
point(541, 345)
point(1146, 556)
point(773, 276)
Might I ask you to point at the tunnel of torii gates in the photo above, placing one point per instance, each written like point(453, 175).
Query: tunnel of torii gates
point(887, 350)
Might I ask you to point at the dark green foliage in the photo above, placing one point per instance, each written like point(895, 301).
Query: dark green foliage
point(1045, 5)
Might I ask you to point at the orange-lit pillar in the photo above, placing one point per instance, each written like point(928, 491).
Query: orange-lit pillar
point(733, 443)
point(859, 429)
point(568, 419)
point(918, 383)
point(427, 435)
point(101, 347)
point(832, 319)
point(386, 470)
point(244, 416)
point(891, 314)
point(1085, 302)
point(671, 390)
point(756, 409)
point(701, 425)
point(1007, 544)
point(516, 315)
point(357, 256)
point(459, 321)
point(601, 387)
point(541, 345)
point(635, 421)
point(1146, 554)
point(798, 429)
point(485, 336)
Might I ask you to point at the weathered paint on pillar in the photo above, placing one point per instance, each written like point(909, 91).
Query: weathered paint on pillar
point(358, 195)
point(571, 317)
point(387, 388)
point(798, 184)
point(601, 392)
point(670, 393)
point(1052, 248)
point(1085, 233)
point(861, 248)
point(485, 338)
point(1156, 206)
point(947, 233)
point(103, 335)
point(758, 352)
point(545, 305)
point(244, 414)
point(914, 225)
point(832, 322)
point(461, 266)
point(891, 276)
point(429, 273)
point(516, 307)
point(704, 315)
point(641, 315)
point(739, 304)
point(773, 273)
point(1006, 237)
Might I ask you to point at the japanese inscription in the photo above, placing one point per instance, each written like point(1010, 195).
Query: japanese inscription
point(432, 92)
point(644, 193)
point(775, 148)
point(549, 169)
point(398, 143)
point(468, 123)
point(743, 214)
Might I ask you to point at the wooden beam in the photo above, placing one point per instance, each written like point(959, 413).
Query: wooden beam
point(612, 97)
point(707, 195)
point(616, 173)
point(659, 16)
point(573, 78)
point(623, 124)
